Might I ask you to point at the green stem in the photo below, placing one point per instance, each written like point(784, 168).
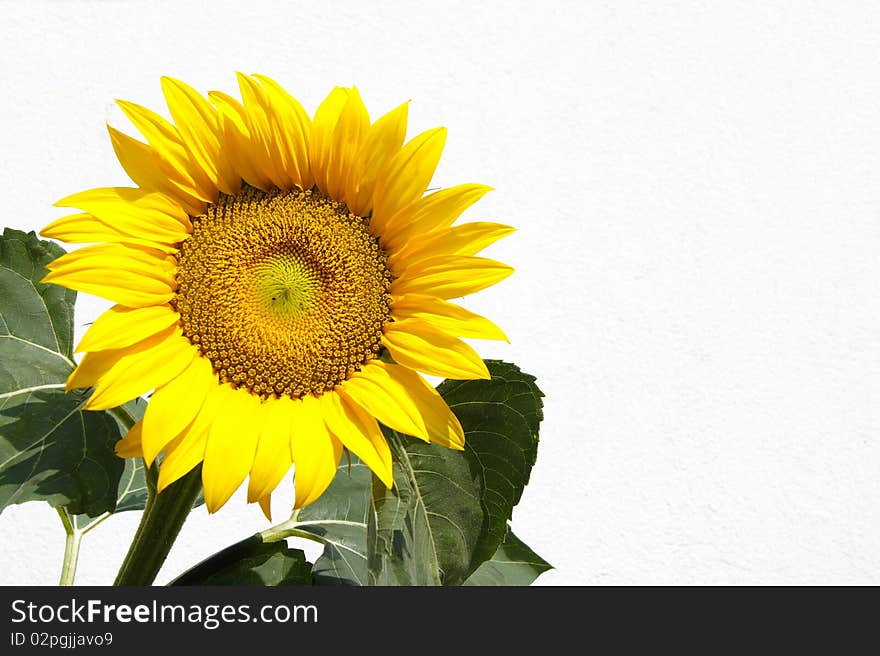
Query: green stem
point(280, 531)
point(95, 522)
point(71, 549)
point(270, 535)
point(161, 522)
point(288, 529)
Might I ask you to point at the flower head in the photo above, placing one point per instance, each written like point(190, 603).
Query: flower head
point(281, 282)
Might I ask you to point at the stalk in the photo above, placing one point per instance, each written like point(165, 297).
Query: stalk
point(160, 524)
point(71, 549)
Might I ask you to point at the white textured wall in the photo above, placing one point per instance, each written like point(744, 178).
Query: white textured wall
point(697, 191)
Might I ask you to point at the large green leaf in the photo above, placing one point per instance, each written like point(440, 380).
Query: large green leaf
point(338, 519)
point(50, 449)
point(27, 367)
point(424, 530)
point(251, 562)
point(448, 510)
point(131, 494)
point(513, 564)
point(501, 418)
point(35, 319)
point(31, 311)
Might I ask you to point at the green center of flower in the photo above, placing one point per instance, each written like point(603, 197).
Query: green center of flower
point(285, 292)
point(286, 286)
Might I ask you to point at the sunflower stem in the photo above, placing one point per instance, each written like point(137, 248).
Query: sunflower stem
point(282, 530)
point(162, 520)
point(71, 548)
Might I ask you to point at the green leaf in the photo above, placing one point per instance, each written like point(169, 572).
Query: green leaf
point(131, 494)
point(37, 313)
point(50, 449)
point(423, 531)
point(36, 320)
point(251, 562)
point(132, 491)
point(501, 418)
point(513, 564)
point(448, 510)
point(338, 519)
point(27, 367)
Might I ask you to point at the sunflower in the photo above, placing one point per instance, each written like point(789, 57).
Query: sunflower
point(281, 284)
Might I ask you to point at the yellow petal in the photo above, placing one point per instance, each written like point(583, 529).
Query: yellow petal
point(96, 366)
point(263, 144)
point(122, 326)
point(173, 157)
point(293, 125)
point(433, 212)
point(130, 445)
point(85, 228)
point(237, 140)
point(446, 316)
point(272, 459)
point(403, 400)
point(180, 460)
point(138, 159)
point(266, 505)
point(450, 276)
point(232, 442)
point(398, 396)
point(188, 449)
point(149, 212)
point(125, 287)
point(381, 143)
point(126, 274)
point(174, 406)
point(466, 239)
point(143, 166)
point(382, 390)
point(139, 371)
point(321, 137)
point(315, 452)
point(199, 130)
point(406, 176)
point(419, 345)
point(158, 132)
point(359, 432)
point(345, 141)
point(119, 255)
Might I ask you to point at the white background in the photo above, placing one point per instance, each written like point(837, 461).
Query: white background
point(696, 188)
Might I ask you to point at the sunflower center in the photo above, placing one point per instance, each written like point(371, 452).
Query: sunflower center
point(286, 286)
point(285, 292)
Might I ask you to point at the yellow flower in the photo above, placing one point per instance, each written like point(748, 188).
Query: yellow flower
point(280, 283)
